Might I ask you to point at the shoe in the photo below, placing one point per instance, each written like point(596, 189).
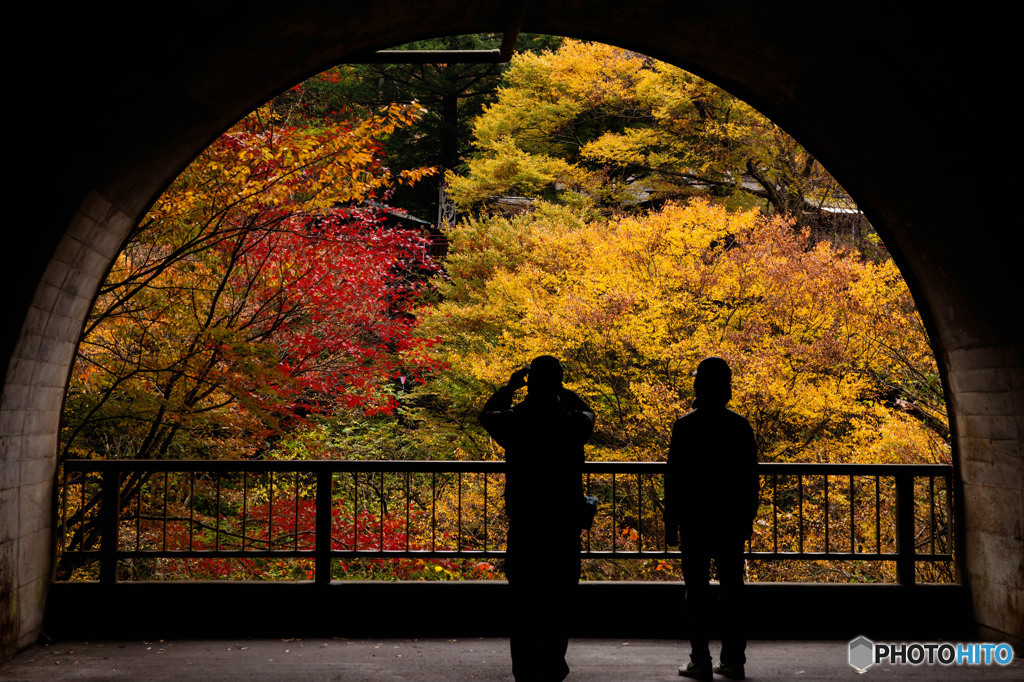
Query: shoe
point(697, 672)
point(734, 671)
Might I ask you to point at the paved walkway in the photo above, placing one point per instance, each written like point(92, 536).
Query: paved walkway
point(438, 659)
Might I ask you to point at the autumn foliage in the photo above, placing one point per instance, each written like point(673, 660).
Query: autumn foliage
point(830, 359)
point(593, 125)
point(258, 289)
point(268, 308)
point(819, 339)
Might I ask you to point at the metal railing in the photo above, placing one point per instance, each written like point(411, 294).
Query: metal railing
point(328, 511)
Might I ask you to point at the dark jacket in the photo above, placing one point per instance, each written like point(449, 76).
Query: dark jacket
point(711, 484)
point(543, 442)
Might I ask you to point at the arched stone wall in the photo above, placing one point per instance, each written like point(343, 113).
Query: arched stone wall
point(115, 104)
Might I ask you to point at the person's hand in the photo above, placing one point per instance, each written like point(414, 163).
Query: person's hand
point(518, 378)
point(672, 537)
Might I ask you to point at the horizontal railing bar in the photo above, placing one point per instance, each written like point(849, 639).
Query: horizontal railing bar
point(201, 554)
point(418, 554)
point(293, 554)
point(311, 466)
point(423, 465)
point(482, 554)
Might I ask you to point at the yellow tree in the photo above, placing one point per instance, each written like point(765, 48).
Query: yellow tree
point(595, 124)
point(830, 360)
point(820, 341)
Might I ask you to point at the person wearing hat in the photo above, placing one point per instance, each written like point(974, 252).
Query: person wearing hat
point(711, 498)
point(543, 438)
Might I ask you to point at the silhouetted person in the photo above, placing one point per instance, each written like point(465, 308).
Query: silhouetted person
point(543, 438)
point(711, 497)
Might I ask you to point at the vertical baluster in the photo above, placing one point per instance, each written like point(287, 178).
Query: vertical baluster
point(166, 474)
point(588, 530)
point(615, 519)
point(826, 512)
point(270, 513)
point(64, 509)
point(800, 497)
point(639, 516)
point(110, 491)
point(245, 506)
point(949, 514)
point(775, 513)
point(485, 512)
point(138, 516)
point(191, 507)
point(853, 542)
point(878, 516)
point(216, 537)
point(931, 512)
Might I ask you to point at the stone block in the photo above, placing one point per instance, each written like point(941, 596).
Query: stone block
point(74, 283)
point(999, 608)
point(8, 514)
point(50, 398)
point(8, 566)
point(997, 378)
point(69, 249)
point(16, 397)
point(12, 447)
point(35, 505)
point(20, 370)
point(41, 421)
point(995, 561)
point(54, 274)
point(39, 445)
point(985, 450)
point(39, 469)
point(983, 358)
point(31, 342)
point(993, 403)
point(32, 604)
point(72, 305)
point(12, 418)
point(994, 427)
point(108, 242)
point(986, 379)
point(34, 551)
point(999, 469)
point(10, 473)
point(55, 350)
point(993, 509)
point(50, 375)
point(95, 210)
point(92, 268)
point(42, 303)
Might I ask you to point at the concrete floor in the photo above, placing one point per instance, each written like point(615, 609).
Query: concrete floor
point(438, 659)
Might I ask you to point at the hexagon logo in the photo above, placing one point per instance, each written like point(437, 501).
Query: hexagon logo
point(862, 653)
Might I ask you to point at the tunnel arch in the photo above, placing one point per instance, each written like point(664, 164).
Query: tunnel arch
point(862, 90)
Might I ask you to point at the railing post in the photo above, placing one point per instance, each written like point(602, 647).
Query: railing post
point(108, 525)
point(322, 567)
point(905, 528)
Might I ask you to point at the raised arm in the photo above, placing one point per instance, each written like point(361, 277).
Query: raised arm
point(495, 415)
